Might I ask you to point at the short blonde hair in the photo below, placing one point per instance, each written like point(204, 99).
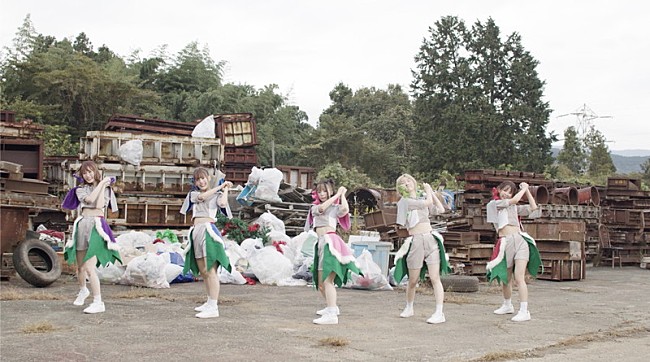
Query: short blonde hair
point(399, 180)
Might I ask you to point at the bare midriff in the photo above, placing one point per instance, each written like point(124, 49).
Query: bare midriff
point(202, 220)
point(88, 212)
point(322, 230)
point(508, 230)
point(421, 228)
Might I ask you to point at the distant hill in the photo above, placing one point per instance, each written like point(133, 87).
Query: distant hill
point(626, 161)
point(625, 164)
point(632, 153)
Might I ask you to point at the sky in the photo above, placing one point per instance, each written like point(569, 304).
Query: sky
point(593, 55)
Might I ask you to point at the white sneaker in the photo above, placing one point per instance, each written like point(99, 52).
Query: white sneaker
point(408, 312)
point(324, 311)
point(209, 312)
point(95, 307)
point(436, 318)
point(81, 297)
point(327, 319)
point(505, 309)
point(521, 316)
point(202, 307)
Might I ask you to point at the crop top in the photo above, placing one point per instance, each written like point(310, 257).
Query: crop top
point(500, 213)
point(327, 218)
point(83, 191)
point(411, 212)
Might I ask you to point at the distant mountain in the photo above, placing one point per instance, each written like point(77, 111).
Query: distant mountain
point(628, 164)
point(624, 160)
point(632, 153)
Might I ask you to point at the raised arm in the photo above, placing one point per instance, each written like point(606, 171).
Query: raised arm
point(531, 200)
point(434, 199)
point(205, 195)
point(94, 197)
point(523, 188)
point(340, 194)
point(223, 201)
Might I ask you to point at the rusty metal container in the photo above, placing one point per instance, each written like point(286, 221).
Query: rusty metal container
point(588, 195)
point(14, 222)
point(540, 194)
point(27, 152)
point(624, 183)
point(564, 196)
point(242, 156)
point(296, 176)
point(236, 129)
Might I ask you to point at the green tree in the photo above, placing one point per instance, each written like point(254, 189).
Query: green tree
point(478, 101)
point(572, 155)
point(645, 169)
point(369, 130)
point(350, 178)
point(58, 141)
point(600, 160)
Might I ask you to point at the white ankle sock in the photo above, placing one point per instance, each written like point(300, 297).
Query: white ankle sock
point(438, 308)
point(507, 302)
point(523, 307)
point(409, 305)
point(97, 299)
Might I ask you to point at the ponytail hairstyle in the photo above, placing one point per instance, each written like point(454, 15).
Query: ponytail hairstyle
point(507, 184)
point(327, 185)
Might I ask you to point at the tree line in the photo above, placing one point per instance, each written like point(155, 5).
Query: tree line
point(475, 101)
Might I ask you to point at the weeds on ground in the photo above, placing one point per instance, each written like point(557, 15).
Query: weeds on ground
point(40, 327)
point(334, 342)
point(227, 301)
point(457, 298)
point(600, 336)
point(222, 300)
point(14, 294)
point(502, 356)
point(138, 293)
point(582, 339)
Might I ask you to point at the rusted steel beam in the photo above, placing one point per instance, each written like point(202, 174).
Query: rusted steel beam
point(150, 125)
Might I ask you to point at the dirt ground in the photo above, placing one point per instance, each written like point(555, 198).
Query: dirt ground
point(605, 317)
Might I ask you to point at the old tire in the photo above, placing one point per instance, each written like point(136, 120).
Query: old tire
point(36, 262)
point(459, 283)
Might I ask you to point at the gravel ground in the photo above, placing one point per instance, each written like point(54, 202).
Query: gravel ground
point(602, 318)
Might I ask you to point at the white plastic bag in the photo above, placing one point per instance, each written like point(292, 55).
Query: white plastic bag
point(268, 185)
point(250, 246)
point(270, 266)
point(131, 152)
point(172, 271)
point(255, 176)
point(272, 222)
point(372, 278)
point(147, 271)
point(110, 273)
point(205, 128)
point(230, 278)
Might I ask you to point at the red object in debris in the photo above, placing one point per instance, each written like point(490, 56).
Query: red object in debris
point(53, 233)
point(277, 245)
